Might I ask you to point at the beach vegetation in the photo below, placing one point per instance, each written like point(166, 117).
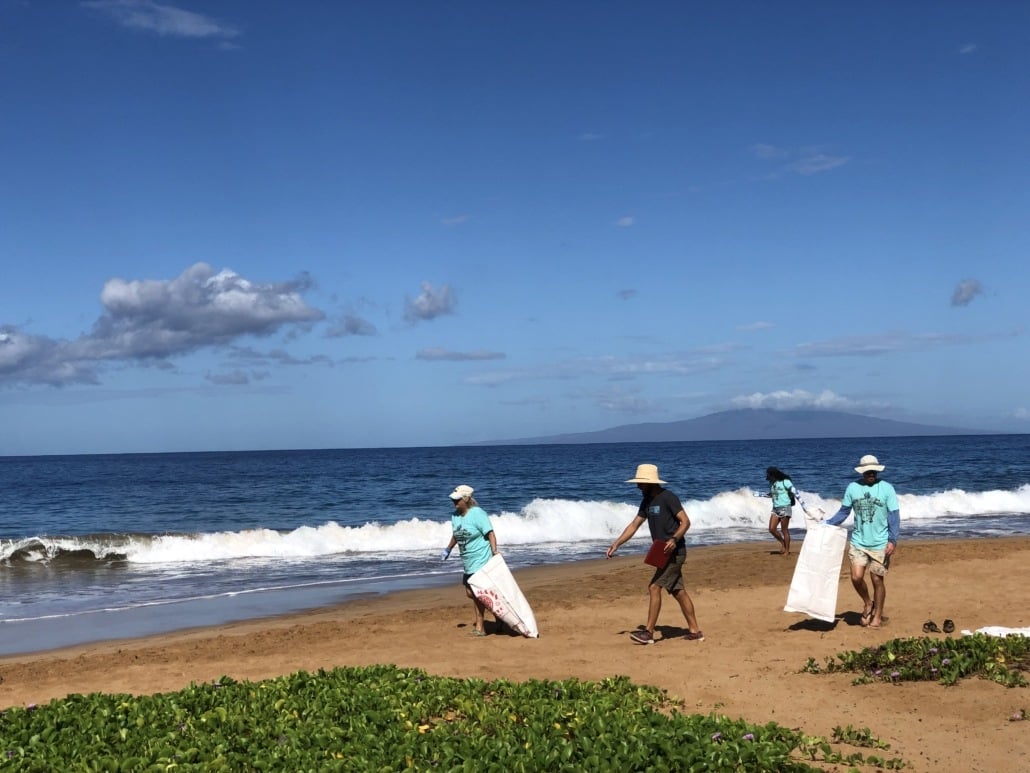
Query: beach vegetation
point(385, 718)
point(1001, 659)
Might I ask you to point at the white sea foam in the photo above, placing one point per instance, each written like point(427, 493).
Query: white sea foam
point(547, 524)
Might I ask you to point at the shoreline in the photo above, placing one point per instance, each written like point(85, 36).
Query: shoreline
point(749, 665)
point(26, 637)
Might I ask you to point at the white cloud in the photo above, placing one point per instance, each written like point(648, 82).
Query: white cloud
point(611, 368)
point(803, 161)
point(235, 377)
point(965, 291)
point(163, 20)
point(149, 320)
point(352, 325)
point(796, 399)
point(430, 304)
point(456, 220)
point(756, 326)
point(436, 354)
point(625, 222)
point(815, 163)
point(967, 48)
point(886, 343)
point(762, 150)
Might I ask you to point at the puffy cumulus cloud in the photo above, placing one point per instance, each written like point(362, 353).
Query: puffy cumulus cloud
point(163, 20)
point(435, 354)
point(796, 399)
point(352, 325)
point(429, 304)
point(148, 321)
point(965, 291)
point(199, 308)
point(26, 358)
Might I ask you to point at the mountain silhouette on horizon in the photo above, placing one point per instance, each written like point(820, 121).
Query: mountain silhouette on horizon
point(751, 424)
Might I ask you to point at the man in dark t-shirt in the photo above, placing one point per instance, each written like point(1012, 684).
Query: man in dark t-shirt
point(668, 523)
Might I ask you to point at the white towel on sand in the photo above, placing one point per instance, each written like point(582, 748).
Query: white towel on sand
point(997, 630)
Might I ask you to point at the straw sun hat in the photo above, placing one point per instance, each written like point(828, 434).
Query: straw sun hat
point(867, 463)
point(647, 473)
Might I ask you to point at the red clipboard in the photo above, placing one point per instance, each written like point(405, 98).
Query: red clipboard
point(656, 556)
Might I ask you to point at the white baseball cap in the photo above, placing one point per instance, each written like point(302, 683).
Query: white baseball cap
point(461, 492)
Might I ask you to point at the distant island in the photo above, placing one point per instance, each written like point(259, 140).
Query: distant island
point(751, 424)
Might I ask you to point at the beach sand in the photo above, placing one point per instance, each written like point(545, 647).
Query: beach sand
point(749, 665)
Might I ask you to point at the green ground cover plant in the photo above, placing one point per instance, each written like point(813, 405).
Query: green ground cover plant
point(384, 718)
point(1004, 660)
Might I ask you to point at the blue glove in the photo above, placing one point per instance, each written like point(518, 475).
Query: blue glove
point(445, 554)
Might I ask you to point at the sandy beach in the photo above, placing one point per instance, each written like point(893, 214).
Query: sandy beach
point(748, 666)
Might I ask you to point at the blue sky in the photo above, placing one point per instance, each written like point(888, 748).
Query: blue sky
point(244, 225)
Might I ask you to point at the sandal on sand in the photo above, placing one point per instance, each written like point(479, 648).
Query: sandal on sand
point(476, 632)
point(866, 617)
point(931, 627)
point(949, 626)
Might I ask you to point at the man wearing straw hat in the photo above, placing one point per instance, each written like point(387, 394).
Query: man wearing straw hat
point(875, 537)
point(668, 522)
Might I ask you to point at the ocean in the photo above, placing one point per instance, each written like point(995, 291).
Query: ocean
point(96, 547)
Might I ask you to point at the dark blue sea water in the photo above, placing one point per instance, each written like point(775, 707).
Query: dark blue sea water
point(95, 547)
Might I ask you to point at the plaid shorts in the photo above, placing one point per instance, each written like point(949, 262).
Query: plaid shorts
point(877, 560)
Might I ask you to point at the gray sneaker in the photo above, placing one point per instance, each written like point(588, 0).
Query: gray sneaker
point(642, 637)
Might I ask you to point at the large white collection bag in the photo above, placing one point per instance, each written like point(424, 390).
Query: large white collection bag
point(494, 586)
point(813, 589)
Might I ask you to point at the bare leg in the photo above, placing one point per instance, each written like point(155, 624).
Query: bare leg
point(858, 582)
point(480, 609)
point(879, 598)
point(654, 605)
point(687, 607)
point(774, 522)
point(785, 528)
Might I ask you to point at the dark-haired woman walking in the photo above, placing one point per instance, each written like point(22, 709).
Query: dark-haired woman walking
point(783, 496)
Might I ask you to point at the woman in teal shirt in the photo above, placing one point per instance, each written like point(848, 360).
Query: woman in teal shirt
point(781, 489)
point(473, 533)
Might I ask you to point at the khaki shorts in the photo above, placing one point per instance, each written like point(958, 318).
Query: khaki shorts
point(876, 560)
point(671, 577)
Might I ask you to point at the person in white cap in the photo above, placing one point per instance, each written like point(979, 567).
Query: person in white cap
point(668, 522)
point(473, 533)
point(875, 536)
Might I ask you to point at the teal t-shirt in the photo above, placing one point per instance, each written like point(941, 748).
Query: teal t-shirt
point(778, 492)
point(470, 532)
point(870, 505)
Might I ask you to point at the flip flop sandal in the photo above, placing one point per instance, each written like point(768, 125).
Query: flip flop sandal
point(931, 627)
point(949, 626)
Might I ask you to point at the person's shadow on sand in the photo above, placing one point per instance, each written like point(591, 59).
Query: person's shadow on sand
point(820, 626)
